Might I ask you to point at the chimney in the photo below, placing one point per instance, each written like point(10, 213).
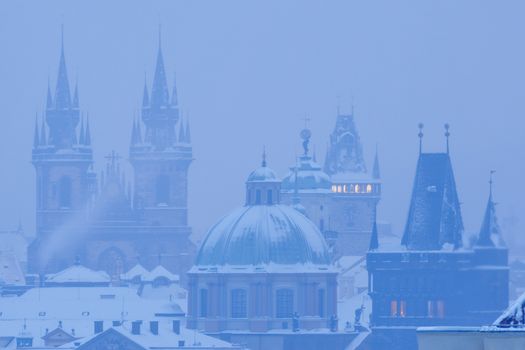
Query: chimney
point(99, 326)
point(181, 343)
point(154, 327)
point(176, 326)
point(135, 327)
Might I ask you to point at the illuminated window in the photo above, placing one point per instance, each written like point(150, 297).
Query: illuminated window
point(334, 188)
point(238, 305)
point(357, 188)
point(440, 309)
point(393, 308)
point(402, 308)
point(339, 189)
point(430, 308)
point(368, 188)
point(345, 189)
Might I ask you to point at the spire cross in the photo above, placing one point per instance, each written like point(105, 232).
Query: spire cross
point(491, 182)
point(420, 135)
point(447, 134)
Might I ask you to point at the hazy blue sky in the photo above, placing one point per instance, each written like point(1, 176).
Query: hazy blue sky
point(248, 71)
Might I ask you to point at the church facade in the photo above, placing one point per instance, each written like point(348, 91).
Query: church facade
point(107, 222)
point(340, 197)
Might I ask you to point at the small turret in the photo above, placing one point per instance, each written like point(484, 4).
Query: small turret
point(489, 233)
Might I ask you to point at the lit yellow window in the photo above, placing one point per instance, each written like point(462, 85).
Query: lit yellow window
point(368, 188)
point(334, 188)
point(393, 308)
point(345, 188)
point(357, 188)
point(339, 189)
point(402, 308)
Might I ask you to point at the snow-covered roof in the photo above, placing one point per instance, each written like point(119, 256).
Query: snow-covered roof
point(263, 174)
point(160, 272)
point(166, 339)
point(263, 234)
point(514, 316)
point(78, 274)
point(136, 271)
point(10, 271)
point(308, 174)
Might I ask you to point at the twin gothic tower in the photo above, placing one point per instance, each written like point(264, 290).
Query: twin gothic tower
point(105, 221)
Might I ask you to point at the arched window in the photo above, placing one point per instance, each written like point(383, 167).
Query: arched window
point(284, 307)
point(269, 197)
point(163, 189)
point(65, 192)
point(238, 303)
point(257, 196)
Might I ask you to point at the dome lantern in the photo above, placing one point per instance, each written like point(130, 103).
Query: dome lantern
point(263, 187)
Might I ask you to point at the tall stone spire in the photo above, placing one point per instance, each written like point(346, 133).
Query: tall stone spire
point(145, 94)
point(159, 90)
point(489, 234)
point(159, 115)
point(75, 97)
point(62, 92)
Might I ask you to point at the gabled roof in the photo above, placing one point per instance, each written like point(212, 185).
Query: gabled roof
point(434, 217)
point(159, 272)
point(136, 271)
point(59, 334)
point(78, 274)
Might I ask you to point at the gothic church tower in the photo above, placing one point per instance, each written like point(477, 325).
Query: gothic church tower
point(62, 157)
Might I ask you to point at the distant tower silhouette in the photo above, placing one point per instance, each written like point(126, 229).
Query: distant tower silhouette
point(160, 161)
point(63, 163)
